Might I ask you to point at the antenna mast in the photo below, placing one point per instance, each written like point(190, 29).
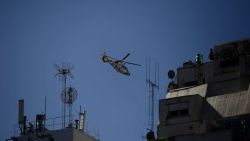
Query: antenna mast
point(45, 111)
point(152, 86)
point(63, 72)
point(69, 98)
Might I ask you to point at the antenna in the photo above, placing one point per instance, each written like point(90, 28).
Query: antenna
point(148, 78)
point(63, 72)
point(45, 111)
point(152, 86)
point(68, 96)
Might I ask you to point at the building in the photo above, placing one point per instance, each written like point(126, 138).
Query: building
point(210, 100)
point(51, 129)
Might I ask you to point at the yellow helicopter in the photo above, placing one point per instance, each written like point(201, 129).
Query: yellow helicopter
point(118, 65)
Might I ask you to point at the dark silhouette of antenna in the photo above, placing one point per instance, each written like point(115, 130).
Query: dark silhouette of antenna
point(68, 98)
point(152, 86)
point(63, 72)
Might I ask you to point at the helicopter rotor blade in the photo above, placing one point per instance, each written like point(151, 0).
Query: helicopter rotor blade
point(125, 56)
point(132, 63)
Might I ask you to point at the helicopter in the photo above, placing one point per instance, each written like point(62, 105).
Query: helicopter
point(118, 65)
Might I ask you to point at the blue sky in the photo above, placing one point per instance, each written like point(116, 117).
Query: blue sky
point(36, 34)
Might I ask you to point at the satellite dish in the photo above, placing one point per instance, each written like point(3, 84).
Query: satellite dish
point(171, 74)
point(69, 95)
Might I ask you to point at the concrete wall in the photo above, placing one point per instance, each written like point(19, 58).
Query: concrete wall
point(57, 135)
point(79, 136)
point(69, 134)
point(192, 90)
point(183, 124)
point(181, 129)
point(63, 135)
point(224, 135)
point(231, 104)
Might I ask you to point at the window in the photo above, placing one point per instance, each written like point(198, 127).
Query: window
point(173, 114)
point(178, 113)
point(184, 112)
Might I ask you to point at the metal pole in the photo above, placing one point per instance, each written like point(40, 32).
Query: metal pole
point(152, 116)
point(70, 114)
point(62, 102)
point(45, 112)
point(153, 86)
point(64, 105)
